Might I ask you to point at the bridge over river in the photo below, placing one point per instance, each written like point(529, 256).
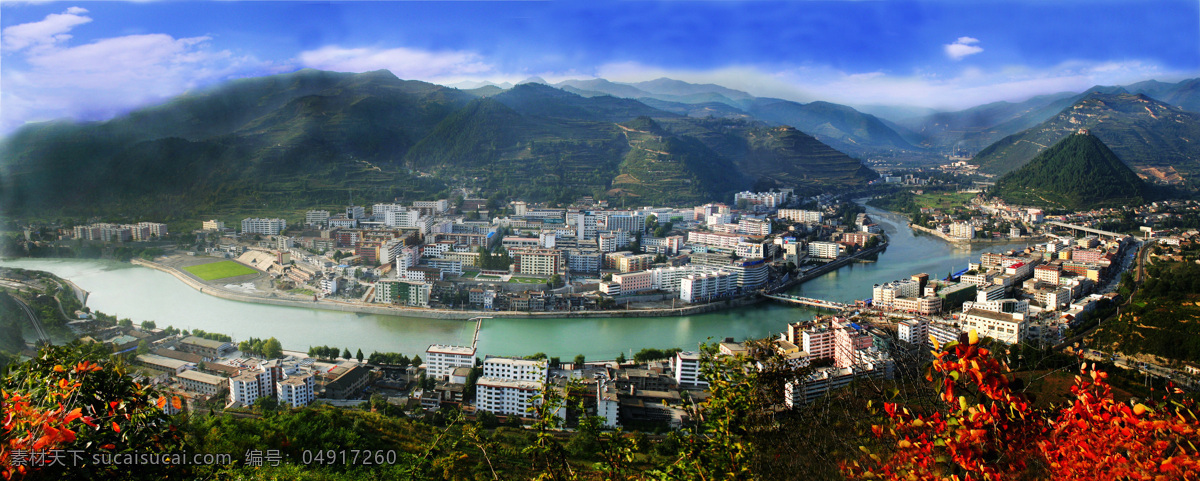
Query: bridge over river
point(807, 301)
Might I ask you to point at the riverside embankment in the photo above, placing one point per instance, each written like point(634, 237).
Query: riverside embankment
point(275, 299)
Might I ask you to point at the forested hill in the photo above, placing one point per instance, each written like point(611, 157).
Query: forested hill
point(1152, 137)
point(309, 138)
point(1079, 173)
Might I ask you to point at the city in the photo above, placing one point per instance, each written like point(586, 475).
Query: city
point(600, 241)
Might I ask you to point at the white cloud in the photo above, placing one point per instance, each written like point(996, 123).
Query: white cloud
point(970, 87)
point(45, 78)
point(46, 32)
point(962, 47)
point(406, 63)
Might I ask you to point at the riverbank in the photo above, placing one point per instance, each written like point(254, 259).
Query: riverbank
point(828, 267)
point(448, 314)
point(970, 242)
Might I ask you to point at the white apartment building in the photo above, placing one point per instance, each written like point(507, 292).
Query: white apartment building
point(212, 225)
point(608, 406)
point(962, 230)
point(800, 215)
point(447, 266)
point(750, 250)
point(715, 239)
point(686, 366)
point(508, 386)
point(884, 295)
point(1008, 306)
point(316, 217)
point(585, 225)
point(913, 331)
point(262, 226)
point(437, 206)
point(824, 250)
point(440, 360)
point(1003, 327)
point(706, 286)
point(296, 390)
point(248, 386)
point(196, 381)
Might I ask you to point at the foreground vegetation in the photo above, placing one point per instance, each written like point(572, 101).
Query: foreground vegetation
point(79, 397)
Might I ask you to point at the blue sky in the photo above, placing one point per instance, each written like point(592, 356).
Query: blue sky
point(93, 60)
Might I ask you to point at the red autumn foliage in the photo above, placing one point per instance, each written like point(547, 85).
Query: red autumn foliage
point(987, 431)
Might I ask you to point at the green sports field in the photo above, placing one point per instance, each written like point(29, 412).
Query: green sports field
point(219, 270)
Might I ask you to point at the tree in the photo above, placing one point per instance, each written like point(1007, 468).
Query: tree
point(272, 349)
point(143, 347)
point(607, 277)
point(77, 397)
point(578, 360)
point(621, 358)
point(346, 353)
point(125, 322)
point(416, 360)
point(555, 281)
point(147, 325)
point(987, 428)
point(359, 355)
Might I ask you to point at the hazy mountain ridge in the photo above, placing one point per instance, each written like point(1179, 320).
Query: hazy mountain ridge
point(1143, 132)
point(311, 137)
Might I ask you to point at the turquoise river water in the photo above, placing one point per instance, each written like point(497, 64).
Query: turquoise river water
point(141, 294)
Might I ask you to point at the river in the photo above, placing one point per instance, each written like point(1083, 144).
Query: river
point(141, 293)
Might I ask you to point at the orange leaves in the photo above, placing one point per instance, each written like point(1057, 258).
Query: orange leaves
point(59, 368)
point(115, 427)
point(87, 366)
point(175, 403)
point(162, 402)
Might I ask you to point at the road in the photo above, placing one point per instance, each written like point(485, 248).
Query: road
point(37, 324)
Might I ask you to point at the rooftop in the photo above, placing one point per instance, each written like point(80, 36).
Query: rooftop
point(201, 377)
point(445, 349)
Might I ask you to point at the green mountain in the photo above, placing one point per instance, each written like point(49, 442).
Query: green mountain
point(1155, 139)
point(310, 138)
point(1079, 172)
point(839, 126)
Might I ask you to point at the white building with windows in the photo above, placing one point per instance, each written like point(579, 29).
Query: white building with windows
point(255, 225)
point(705, 286)
point(296, 390)
point(247, 387)
point(440, 360)
point(799, 215)
point(824, 250)
point(686, 366)
point(1003, 327)
point(508, 386)
point(316, 217)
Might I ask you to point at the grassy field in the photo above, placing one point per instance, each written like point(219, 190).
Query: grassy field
point(527, 280)
point(219, 270)
point(940, 200)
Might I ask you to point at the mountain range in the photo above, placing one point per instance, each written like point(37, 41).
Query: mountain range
point(1156, 139)
point(313, 137)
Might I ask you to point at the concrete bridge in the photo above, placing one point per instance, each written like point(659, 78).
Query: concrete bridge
point(1078, 228)
point(807, 301)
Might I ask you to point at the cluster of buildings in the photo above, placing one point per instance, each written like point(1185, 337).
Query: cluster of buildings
point(142, 231)
point(201, 371)
point(430, 254)
point(1031, 296)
